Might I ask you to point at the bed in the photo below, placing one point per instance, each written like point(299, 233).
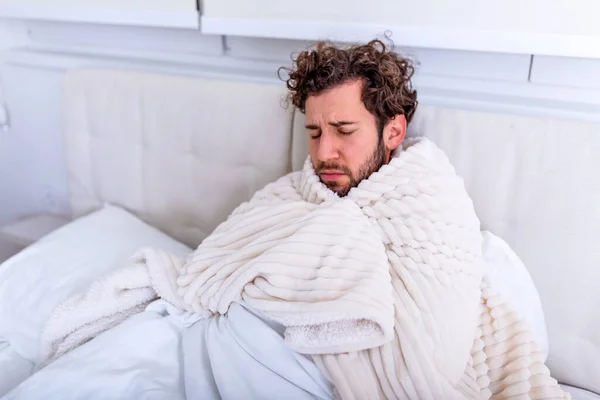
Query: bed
point(161, 160)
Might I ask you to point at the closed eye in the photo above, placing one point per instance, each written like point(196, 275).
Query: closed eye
point(316, 130)
point(346, 132)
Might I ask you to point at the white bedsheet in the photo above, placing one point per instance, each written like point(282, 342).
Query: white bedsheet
point(163, 353)
point(13, 368)
point(580, 394)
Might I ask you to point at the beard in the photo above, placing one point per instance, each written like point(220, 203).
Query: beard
point(372, 164)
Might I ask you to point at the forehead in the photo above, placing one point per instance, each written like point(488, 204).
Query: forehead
point(343, 101)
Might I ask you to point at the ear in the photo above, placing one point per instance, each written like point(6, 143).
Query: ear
point(394, 132)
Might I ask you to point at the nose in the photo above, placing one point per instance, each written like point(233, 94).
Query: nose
point(328, 147)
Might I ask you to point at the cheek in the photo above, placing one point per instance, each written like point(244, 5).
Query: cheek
point(357, 152)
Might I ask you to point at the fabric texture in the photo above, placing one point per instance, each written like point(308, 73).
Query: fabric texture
point(63, 264)
point(166, 353)
point(507, 274)
point(13, 368)
point(580, 394)
point(540, 192)
point(163, 135)
point(128, 290)
point(384, 288)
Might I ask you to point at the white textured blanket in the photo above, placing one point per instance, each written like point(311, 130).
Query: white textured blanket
point(383, 287)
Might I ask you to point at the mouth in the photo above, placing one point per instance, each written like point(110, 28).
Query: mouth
point(331, 175)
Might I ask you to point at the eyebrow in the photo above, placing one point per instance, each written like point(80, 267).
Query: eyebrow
point(337, 124)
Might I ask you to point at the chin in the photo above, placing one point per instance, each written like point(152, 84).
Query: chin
point(341, 191)
point(341, 187)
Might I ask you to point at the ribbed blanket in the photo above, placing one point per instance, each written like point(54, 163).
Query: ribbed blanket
point(383, 288)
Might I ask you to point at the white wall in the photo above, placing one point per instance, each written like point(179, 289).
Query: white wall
point(31, 155)
point(13, 181)
point(11, 34)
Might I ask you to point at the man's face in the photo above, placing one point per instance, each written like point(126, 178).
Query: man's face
point(343, 140)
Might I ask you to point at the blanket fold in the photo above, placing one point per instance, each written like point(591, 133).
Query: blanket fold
point(109, 301)
point(383, 288)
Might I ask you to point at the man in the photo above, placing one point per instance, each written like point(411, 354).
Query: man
point(357, 277)
point(358, 103)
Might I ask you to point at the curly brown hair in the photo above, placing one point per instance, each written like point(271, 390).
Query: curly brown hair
point(386, 75)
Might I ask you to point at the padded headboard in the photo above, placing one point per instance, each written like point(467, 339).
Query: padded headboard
point(182, 152)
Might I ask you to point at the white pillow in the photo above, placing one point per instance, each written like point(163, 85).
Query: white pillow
point(509, 277)
point(65, 262)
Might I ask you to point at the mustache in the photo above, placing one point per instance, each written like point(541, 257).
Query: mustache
point(333, 167)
